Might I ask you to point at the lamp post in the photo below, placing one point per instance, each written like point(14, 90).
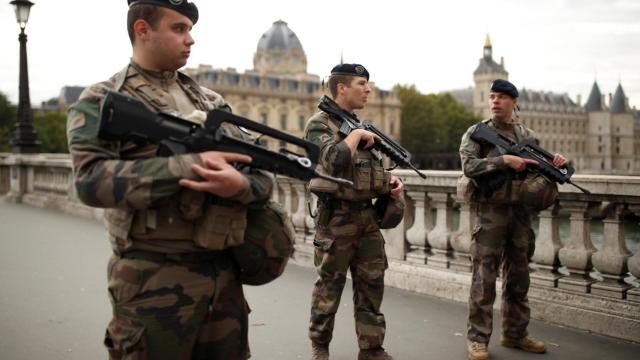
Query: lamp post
point(24, 137)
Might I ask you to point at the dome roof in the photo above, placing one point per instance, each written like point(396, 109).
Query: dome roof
point(279, 37)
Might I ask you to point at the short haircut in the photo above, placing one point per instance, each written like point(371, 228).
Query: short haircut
point(149, 13)
point(334, 80)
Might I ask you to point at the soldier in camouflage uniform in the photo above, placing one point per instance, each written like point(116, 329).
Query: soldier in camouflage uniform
point(347, 229)
point(503, 229)
point(173, 286)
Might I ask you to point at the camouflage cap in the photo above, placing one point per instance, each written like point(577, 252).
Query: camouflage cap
point(390, 211)
point(268, 244)
point(184, 7)
point(537, 193)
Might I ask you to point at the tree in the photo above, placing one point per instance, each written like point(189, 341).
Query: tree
point(7, 122)
point(432, 125)
point(51, 130)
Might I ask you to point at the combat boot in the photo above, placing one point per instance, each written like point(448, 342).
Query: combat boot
point(319, 351)
point(374, 354)
point(477, 350)
point(526, 343)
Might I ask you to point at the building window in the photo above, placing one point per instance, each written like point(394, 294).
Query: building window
point(392, 126)
point(301, 122)
point(263, 117)
point(617, 149)
point(283, 121)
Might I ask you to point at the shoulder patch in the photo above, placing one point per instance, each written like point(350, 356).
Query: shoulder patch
point(77, 122)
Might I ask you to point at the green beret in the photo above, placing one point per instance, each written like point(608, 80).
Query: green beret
point(184, 7)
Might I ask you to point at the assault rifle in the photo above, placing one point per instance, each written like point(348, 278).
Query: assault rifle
point(126, 119)
point(527, 149)
point(390, 148)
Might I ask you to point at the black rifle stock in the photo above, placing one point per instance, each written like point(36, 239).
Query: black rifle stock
point(387, 146)
point(527, 149)
point(124, 118)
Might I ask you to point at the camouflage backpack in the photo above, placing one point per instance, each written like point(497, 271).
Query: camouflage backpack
point(537, 193)
point(268, 244)
point(390, 211)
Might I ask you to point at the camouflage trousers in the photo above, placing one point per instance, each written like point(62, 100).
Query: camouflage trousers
point(501, 238)
point(176, 310)
point(350, 241)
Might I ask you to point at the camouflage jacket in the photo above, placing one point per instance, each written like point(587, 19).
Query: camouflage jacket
point(129, 179)
point(369, 177)
point(482, 161)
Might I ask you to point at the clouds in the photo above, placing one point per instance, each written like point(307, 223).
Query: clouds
point(550, 45)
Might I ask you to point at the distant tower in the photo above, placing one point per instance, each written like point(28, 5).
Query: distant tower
point(280, 52)
point(487, 71)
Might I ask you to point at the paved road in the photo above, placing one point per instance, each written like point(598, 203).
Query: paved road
point(53, 305)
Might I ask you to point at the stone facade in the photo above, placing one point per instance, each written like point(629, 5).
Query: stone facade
point(279, 92)
point(598, 137)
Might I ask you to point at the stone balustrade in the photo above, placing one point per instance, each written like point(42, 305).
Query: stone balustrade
point(576, 281)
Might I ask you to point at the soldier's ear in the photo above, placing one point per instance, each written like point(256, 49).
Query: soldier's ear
point(141, 29)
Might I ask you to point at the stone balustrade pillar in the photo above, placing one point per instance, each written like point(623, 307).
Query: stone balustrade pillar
point(299, 216)
point(417, 233)
point(634, 263)
point(440, 236)
point(287, 195)
point(461, 239)
point(611, 259)
point(576, 254)
point(547, 249)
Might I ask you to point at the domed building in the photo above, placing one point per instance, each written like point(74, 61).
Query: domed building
point(280, 52)
point(280, 93)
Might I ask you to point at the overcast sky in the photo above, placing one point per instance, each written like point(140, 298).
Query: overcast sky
point(552, 45)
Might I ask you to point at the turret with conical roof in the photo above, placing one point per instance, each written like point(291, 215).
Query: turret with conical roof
point(594, 102)
point(619, 101)
point(280, 52)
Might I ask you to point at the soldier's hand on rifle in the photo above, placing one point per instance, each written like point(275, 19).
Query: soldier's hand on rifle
point(559, 160)
point(397, 187)
point(358, 136)
point(517, 163)
point(219, 176)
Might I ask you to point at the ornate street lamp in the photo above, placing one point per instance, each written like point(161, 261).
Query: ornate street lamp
point(24, 137)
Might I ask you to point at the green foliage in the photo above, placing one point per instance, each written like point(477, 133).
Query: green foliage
point(7, 121)
point(432, 124)
point(51, 130)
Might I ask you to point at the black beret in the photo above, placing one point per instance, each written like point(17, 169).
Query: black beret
point(350, 69)
point(184, 7)
point(505, 87)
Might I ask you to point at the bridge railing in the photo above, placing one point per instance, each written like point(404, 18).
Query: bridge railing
point(580, 278)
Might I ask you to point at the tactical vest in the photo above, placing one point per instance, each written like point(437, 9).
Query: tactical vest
point(189, 221)
point(367, 173)
point(510, 190)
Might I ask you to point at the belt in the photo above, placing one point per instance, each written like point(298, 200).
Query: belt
point(194, 257)
point(349, 205)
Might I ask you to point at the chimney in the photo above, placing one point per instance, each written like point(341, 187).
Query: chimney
point(579, 100)
point(502, 61)
point(610, 98)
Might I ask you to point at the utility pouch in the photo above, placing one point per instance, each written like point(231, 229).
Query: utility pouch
point(221, 227)
point(362, 174)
